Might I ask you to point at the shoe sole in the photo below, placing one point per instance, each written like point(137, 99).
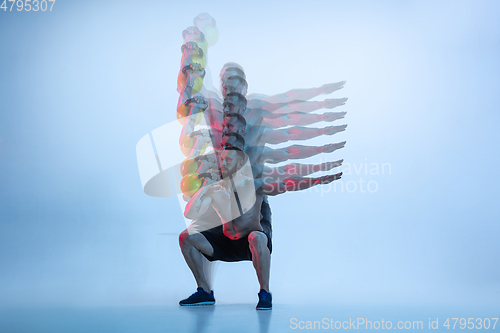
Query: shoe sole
point(264, 308)
point(198, 304)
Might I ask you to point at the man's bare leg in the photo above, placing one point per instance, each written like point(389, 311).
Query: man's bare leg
point(209, 267)
point(192, 247)
point(261, 257)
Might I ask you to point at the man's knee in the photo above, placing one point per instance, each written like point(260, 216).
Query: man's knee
point(183, 238)
point(257, 239)
point(189, 239)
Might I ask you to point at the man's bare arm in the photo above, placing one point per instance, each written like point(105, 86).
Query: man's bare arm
point(299, 118)
point(293, 184)
point(278, 155)
point(275, 136)
point(293, 169)
point(309, 106)
point(299, 94)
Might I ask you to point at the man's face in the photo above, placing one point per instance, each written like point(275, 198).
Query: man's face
point(232, 84)
point(232, 105)
point(232, 124)
point(229, 140)
point(230, 163)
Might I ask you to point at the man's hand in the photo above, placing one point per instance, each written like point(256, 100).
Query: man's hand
point(203, 20)
point(204, 132)
point(331, 116)
point(193, 67)
point(330, 148)
point(331, 87)
point(215, 175)
point(200, 102)
point(219, 193)
point(209, 158)
point(193, 71)
point(212, 175)
point(201, 158)
point(190, 49)
point(191, 34)
point(333, 102)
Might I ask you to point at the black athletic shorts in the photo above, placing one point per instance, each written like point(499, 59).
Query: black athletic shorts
point(265, 221)
point(226, 249)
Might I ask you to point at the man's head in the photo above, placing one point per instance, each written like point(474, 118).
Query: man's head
point(234, 83)
point(232, 68)
point(232, 160)
point(234, 103)
point(232, 140)
point(233, 123)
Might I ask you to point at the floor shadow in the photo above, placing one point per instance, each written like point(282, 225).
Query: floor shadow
point(203, 316)
point(264, 320)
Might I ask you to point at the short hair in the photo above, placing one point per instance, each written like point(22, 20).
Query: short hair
point(238, 137)
point(241, 98)
point(240, 78)
point(238, 71)
point(234, 66)
point(237, 116)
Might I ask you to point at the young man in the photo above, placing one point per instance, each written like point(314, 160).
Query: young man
point(237, 199)
point(241, 235)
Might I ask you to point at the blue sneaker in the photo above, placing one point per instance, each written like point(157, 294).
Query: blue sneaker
point(200, 297)
point(265, 300)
